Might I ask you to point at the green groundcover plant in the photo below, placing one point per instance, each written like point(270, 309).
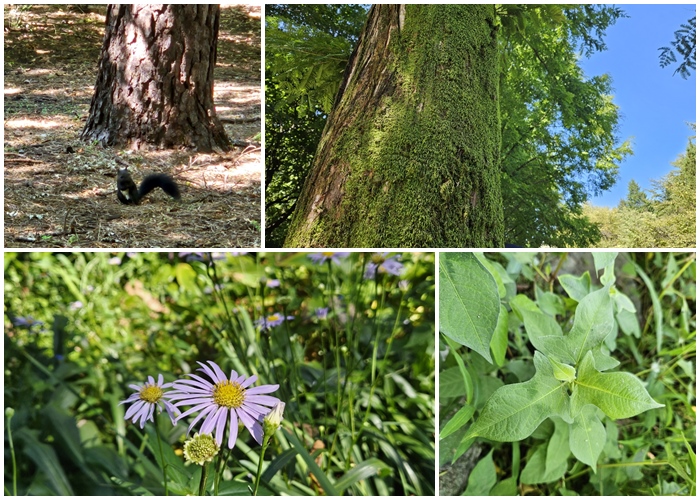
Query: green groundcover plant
point(219, 374)
point(566, 397)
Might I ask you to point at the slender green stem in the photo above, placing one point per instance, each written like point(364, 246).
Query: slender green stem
point(258, 475)
point(12, 452)
point(221, 465)
point(203, 480)
point(162, 460)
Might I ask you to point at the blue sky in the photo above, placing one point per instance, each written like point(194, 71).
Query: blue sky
point(654, 103)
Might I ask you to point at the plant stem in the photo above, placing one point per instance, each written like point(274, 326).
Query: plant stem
point(162, 460)
point(203, 480)
point(12, 452)
point(266, 441)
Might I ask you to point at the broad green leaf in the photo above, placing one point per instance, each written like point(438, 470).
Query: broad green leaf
point(592, 323)
point(535, 470)
point(451, 383)
point(558, 449)
point(482, 477)
point(499, 341)
point(457, 421)
point(469, 301)
point(622, 301)
point(576, 287)
point(505, 488)
point(545, 334)
point(602, 360)
point(514, 411)
point(587, 436)
point(628, 323)
point(521, 303)
point(619, 395)
point(489, 265)
point(550, 303)
point(565, 373)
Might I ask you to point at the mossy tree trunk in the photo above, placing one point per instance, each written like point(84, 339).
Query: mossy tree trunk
point(155, 84)
point(409, 155)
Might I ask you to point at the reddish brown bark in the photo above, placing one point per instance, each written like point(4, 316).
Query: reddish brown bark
point(155, 82)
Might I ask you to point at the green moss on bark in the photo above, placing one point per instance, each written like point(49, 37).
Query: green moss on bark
point(417, 159)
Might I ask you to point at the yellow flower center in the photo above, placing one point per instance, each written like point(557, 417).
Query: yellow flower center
point(229, 394)
point(328, 254)
point(274, 317)
point(151, 393)
point(378, 259)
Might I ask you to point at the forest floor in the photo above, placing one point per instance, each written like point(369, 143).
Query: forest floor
point(61, 192)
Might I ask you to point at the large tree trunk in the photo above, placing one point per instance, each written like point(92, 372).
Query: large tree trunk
point(409, 156)
point(156, 79)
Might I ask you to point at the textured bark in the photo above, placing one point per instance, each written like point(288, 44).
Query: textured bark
point(156, 79)
point(409, 155)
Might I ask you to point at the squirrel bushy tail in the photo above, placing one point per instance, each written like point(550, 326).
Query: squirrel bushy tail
point(129, 194)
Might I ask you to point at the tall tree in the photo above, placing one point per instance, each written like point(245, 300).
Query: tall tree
point(636, 198)
point(409, 156)
point(156, 79)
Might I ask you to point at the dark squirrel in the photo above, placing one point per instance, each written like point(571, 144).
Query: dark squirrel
point(129, 194)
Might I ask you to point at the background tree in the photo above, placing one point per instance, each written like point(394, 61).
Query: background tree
point(156, 79)
point(308, 49)
point(636, 197)
point(559, 126)
point(685, 45)
point(409, 155)
point(664, 219)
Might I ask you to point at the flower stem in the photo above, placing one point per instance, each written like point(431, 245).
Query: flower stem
point(12, 451)
point(162, 460)
point(203, 481)
point(266, 441)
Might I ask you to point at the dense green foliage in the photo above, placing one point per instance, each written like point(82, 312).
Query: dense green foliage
point(588, 386)
point(354, 362)
point(559, 125)
point(662, 218)
point(308, 47)
point(559, 143)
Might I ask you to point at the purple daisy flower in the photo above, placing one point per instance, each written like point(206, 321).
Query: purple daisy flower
point(267, 322)
point(380, 263)
point(222, 397)
point(146, 398)
point(322, 312)
point(320, 258)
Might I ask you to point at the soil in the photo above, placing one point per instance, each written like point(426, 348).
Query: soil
point(61, 192)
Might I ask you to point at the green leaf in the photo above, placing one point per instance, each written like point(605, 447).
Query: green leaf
point(506, 488)
point(545, 334)
point(321, 477)
point(656, 304)
point(457, 421)
point(514, 411)
point(619, 395)
point(587, 436)
point(469, 302)
point(482, 477)
point(499, 341)
point(361, 471)
point(468, 385)
point(558, 449)
point(563, 372)
point(46, 460)
point(592, 323)
point(576, 287)
point(451, 383)
point(605, 260)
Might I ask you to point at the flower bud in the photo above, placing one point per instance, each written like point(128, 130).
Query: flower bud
point(272, 420)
